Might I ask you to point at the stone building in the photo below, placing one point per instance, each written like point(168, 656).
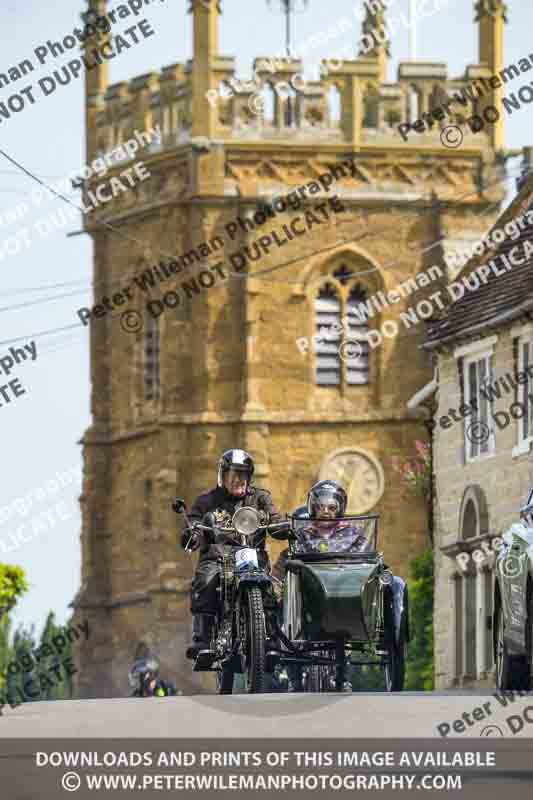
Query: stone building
point(482, 434)
point(211, 360)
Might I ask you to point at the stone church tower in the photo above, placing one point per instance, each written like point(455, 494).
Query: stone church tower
point(220, 367)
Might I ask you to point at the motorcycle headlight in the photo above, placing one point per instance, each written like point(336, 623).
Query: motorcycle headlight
point(386, 578)
point(246, 520)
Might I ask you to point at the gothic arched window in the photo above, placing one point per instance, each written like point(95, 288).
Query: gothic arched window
point(341, 326)
point(151, 359)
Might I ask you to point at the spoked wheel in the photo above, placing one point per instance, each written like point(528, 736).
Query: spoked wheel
point(512, 672)
point(340, 668)
point(318, 677)
point(254, 639)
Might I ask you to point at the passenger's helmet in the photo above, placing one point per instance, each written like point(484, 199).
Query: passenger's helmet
point(238, 460)
point(329, 492)
point(143, 671)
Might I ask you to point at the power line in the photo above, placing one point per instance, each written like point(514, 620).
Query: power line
point(42, 300)
point(41, 333)
point(260, 273)
point(44, 287)
point(81, 210)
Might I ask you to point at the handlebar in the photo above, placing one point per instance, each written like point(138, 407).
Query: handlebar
point(232, 532)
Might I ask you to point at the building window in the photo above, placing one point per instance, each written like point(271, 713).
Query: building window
point(479, 433)
point(357, 330)
point(341, 326)
point(328, 329)
point(525, 363)
point(151, 359)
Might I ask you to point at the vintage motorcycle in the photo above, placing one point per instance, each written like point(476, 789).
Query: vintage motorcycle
point(339, 609)
point(246, 603)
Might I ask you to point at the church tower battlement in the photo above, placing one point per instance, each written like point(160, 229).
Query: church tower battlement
point(204, 97)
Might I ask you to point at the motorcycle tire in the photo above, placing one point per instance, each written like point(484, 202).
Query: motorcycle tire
point(255, 640)
point(224, 681)
point(395, 666)
point(318, 677)
point(512, 672)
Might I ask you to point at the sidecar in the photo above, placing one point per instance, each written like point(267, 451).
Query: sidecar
point(341, 606)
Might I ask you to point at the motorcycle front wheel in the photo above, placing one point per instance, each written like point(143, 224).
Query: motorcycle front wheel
point(254, 639)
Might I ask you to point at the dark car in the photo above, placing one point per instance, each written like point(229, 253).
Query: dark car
point(513, 604)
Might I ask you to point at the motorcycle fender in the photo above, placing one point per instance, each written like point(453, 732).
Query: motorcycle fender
point(254, 578)
point(399, 607)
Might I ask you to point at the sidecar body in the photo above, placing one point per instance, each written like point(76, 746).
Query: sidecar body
point(341, 604)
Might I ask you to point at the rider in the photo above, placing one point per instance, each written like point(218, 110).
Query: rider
point(233, 491)
point(326, 502)
point(145, 681)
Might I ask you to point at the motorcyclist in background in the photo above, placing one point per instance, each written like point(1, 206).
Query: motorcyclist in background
point(145, 681)
point(233, 491)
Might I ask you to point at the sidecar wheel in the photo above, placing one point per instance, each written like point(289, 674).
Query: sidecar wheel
point(255, 638)
point(512, 672)
point(225, 681)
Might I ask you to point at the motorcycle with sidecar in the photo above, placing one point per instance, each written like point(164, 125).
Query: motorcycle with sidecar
point(339, 609)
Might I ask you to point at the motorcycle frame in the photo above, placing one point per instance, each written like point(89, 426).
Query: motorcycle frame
point(230, 593)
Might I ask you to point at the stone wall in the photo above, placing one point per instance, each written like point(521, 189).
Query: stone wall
point(503, 478)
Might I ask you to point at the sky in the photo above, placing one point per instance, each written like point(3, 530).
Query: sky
point(41, 429)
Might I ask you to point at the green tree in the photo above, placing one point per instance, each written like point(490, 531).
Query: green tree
point(416, 475)
point(13, 585)
point(21, 654)
point(64, 688)
point(420, 649)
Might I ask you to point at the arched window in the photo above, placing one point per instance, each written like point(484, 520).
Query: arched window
point(470, 522)
point(151, 359)
point(341, 345)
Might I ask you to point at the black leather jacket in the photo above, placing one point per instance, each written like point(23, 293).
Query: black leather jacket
point(219, 500)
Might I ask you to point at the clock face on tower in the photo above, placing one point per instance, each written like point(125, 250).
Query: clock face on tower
point(359, 473)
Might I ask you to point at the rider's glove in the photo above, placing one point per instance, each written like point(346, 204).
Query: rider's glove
point(190, 540)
